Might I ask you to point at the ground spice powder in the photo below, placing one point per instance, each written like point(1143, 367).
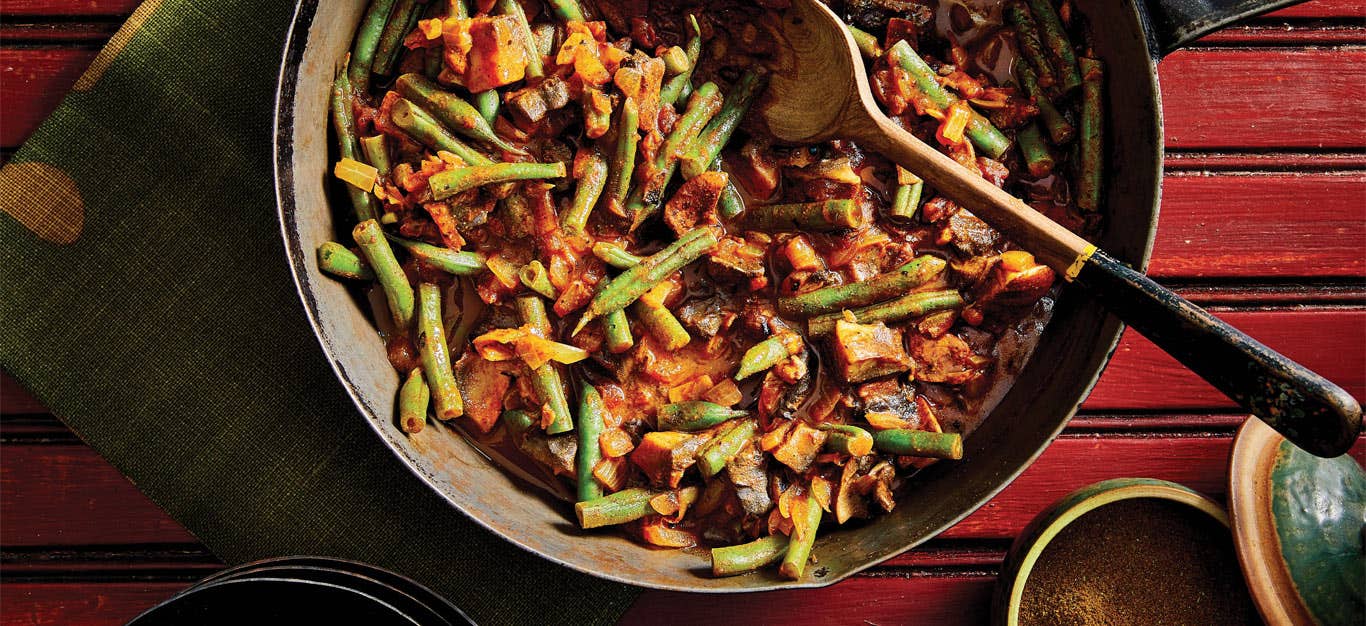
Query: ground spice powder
point(1138, 562)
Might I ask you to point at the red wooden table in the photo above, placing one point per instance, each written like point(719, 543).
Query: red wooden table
point(1263, 221)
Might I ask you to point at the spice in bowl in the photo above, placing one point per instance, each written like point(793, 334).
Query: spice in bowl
point(1138, 561)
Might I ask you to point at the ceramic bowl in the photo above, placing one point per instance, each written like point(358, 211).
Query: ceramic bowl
point(1035, 538)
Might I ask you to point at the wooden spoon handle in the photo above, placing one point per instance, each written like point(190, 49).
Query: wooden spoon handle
point(1310, 411)
point(1053, 245)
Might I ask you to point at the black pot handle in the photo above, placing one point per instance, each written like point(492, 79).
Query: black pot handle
point(1310, 411)
point(1175, 23)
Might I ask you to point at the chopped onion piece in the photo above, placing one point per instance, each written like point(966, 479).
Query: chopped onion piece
point(357, 174)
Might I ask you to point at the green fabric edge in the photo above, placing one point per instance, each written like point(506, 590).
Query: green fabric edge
point(169, 336)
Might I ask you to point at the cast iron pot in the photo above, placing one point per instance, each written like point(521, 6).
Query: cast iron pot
point(1131, 35)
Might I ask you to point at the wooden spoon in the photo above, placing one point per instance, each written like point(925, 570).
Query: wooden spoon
point(821, 92)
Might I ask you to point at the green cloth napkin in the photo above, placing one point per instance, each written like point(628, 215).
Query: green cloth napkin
point(147, 301)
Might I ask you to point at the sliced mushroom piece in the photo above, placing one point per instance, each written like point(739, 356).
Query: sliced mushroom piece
point(556, 452)
point(748, 473)
point(848, 503)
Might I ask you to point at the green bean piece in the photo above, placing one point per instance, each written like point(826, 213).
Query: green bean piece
point(719, 451)
point(631, 284)
point(980, 132)
point(546, 379)
point(435, 356)
point(673, 89)
point(907, 306)
point(376, 150)
point(1059, 46)
point(662, 324)
point(534, 276)
point(423, 127)
point(486, 102)
point(433, 60)
point(615, 255)
point(413, 398)
point(517, 421)
point(694, 415)
point(676, 61)
point(336, 260)
point(867, 43)
point(648, 197)
point(535, 67)
point(920, 443)
point(847, 439)
point(1059, 129)
point(400, 23)
point(454, 262)
point(590, 182)
point(627, 505)
point(1089, 184)
point(616, 328)
point(906, 202)
point(624, 158)
point(731, 205)
point(747, 557)
point(801, 541)
point(1035, 150)
point(366, 42)
point(917, 272)
point(768, 353)
point(821, 215)
point(706, 148)
point(450, 182)
point(397, 290)
point(459, 9)
point(344, 124)
point(454, 112)
point(1031, 47)
point(567, 10)
point(589, 452)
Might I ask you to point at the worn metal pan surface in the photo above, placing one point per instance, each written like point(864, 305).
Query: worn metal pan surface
point(1131, 35)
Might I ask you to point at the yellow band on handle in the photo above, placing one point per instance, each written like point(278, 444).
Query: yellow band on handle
point(1072, 271)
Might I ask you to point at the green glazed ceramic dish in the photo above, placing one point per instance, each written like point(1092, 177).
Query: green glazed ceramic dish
point(1298, 525)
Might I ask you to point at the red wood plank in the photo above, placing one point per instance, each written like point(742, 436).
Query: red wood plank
point(68, 8)
point(35, 80)
point(1072, 462)
point(1324, 9)
point(15, 400)
point(1245, 161)
point(1328, 341)
point(1298, 225)
point(1279, 35)
point(1243, 86)
point(89, 34)
point(1218, 98)
point(58, 495)
point(866, 600)
point(87, 604)
point(65, 494)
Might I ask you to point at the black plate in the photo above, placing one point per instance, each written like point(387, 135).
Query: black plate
point(270, 601)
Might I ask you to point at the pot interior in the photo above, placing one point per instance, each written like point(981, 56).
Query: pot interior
point(1071, 353)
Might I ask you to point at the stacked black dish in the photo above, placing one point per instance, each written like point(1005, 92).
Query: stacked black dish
point(294, 590)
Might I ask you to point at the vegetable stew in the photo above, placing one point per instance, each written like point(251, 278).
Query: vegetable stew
point(585, 250)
